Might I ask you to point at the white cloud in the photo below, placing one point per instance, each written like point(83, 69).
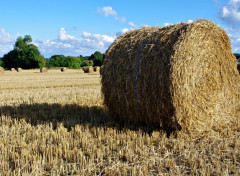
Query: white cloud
point(5, 37)
point(98, 37)
point(133, 26)
point(189, 21)
point(107, 11)
point(6, 41)
point(167, 24)
point(230, 13)
point(63, 35)
point(235, 42)
point(66, 44)
point(124, 30)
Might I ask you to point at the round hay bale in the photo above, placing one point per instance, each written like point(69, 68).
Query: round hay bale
point(13, 69)
point(88, 69)
point(182, 76)
point(1, 70)
point(63, 69)
point(43, 70)
point(84, 68)
point(19, 69)
point(97, 69)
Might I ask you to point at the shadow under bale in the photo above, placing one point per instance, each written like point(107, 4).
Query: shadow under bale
point(70, 115)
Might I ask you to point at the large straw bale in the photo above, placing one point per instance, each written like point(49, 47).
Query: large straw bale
point(43, 70)
point(63, 69)
point(19, 69)
point(88, 69)
point(182, 76)
point(1, 70)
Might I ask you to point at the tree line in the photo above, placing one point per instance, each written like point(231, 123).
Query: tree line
point(27, 56)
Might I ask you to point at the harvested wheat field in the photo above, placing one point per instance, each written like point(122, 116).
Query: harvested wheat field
point(55, 124)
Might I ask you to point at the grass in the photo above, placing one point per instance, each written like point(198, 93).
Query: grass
point(54, 123)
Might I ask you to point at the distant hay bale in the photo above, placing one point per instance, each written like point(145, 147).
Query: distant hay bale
point(43, 70)
point(84, 68)
point(13, 69)
point(181, 76)
point(19, 69)
point(96, 68)
point(63, 69)
point(1, 70)
point(88, 69)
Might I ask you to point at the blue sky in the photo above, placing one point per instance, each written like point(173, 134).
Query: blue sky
point(81, 27)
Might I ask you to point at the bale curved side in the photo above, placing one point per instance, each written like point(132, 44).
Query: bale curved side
point(154, 76)
point(19, 69)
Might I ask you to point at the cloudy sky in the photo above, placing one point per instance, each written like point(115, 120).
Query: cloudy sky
point(81, 27)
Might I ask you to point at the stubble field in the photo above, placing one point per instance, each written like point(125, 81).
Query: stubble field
point(55, 123)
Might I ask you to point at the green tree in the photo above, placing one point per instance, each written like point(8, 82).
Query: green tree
point(57, 61)
point(87, 63)
point(1, 63)
point(97, 58)
point(25, 55)
point(62, 61)
point(73, 62)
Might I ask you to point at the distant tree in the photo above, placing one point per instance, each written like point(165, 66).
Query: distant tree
point(237, 55)
point(97, 58)
point(87, 63)
point(57, 61)
point(73, 62)
point(62, 61)
point(1, 63)
point(25, 55)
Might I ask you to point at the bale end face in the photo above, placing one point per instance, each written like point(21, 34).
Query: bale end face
point(13, 69)
point(97, 69)
point(63, 69)
point(89, 69)
point(43, 70)
point(19, 69)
